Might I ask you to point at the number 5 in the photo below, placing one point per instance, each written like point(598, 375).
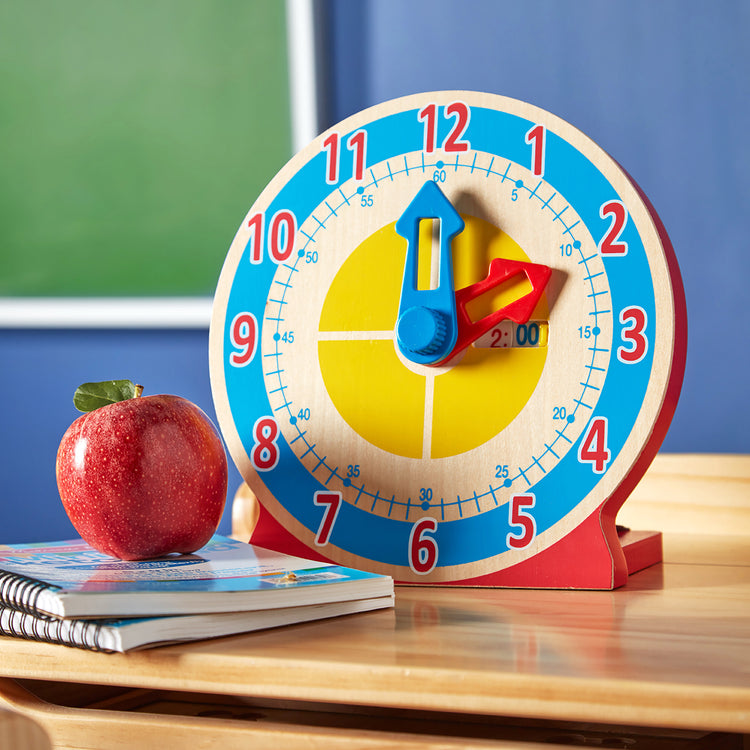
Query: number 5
point(518, 516)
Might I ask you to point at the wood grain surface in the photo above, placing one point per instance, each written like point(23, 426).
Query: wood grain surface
point(669, 649)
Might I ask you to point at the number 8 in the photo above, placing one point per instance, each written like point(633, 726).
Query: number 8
point(265, 452)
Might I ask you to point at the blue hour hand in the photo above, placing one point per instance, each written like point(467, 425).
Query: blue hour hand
point(427, 328)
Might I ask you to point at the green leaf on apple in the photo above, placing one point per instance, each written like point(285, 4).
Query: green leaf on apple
point(90, 396)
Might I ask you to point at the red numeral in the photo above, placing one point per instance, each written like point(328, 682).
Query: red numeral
point(518, 516)
point(255, 243)
point(265, 453)
point(244, 335)
point(280, 237)
point(423, 549)
point(593, 448)
point(461, 113)
point(611, 243)
point(536, 138)
point(357, 143)
point(331, 145)
point(637, 320)
point(429, 115)
point(458, 110)
point(332, 502)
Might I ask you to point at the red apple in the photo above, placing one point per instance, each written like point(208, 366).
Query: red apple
point(144, 476)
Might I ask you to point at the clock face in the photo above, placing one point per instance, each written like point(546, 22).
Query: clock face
point(443, 337)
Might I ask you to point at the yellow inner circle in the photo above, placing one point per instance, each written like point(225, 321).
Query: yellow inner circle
point(401, 411)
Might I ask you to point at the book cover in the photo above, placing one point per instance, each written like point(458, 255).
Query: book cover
point(71, 579)
point(145, 632)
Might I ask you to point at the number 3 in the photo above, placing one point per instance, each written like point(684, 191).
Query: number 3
point(633, 333)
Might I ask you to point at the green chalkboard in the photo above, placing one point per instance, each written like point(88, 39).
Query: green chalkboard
point(134, 136)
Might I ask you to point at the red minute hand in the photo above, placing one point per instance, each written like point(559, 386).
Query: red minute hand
point(519, 311)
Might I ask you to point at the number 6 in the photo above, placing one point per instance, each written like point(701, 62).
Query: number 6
point(423, 549)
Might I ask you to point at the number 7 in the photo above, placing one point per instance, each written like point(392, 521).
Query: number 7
point(332, 503)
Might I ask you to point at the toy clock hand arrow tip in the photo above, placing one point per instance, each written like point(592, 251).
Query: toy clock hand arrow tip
point(427, 325)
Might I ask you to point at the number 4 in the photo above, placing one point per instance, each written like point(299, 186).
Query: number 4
point(593, 448)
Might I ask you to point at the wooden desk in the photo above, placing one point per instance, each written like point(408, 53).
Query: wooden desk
point(657, 664)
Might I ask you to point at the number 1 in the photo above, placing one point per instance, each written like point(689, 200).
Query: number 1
point(536, 138)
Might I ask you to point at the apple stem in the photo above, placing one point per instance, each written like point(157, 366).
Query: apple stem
point(138, 391)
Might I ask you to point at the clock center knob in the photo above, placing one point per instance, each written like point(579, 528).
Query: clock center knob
point(421, 330)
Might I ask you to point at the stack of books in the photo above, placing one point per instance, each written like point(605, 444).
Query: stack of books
point(68, 593)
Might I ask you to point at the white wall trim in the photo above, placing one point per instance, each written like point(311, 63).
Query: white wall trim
point(105, 312)
point(303, 71)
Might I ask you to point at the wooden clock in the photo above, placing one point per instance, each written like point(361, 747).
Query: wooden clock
point(446, 343)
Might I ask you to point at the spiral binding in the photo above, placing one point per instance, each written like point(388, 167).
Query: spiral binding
point(79, 633)
point(21, 592)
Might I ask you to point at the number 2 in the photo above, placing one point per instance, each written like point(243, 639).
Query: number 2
point(611, 244)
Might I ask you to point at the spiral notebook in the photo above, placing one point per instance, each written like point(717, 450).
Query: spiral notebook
point(70, 579)
point(145, 632)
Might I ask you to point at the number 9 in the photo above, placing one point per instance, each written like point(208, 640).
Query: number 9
point(244, 335)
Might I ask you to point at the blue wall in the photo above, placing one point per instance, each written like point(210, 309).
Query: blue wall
point(40, 370)
point(663, 86)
